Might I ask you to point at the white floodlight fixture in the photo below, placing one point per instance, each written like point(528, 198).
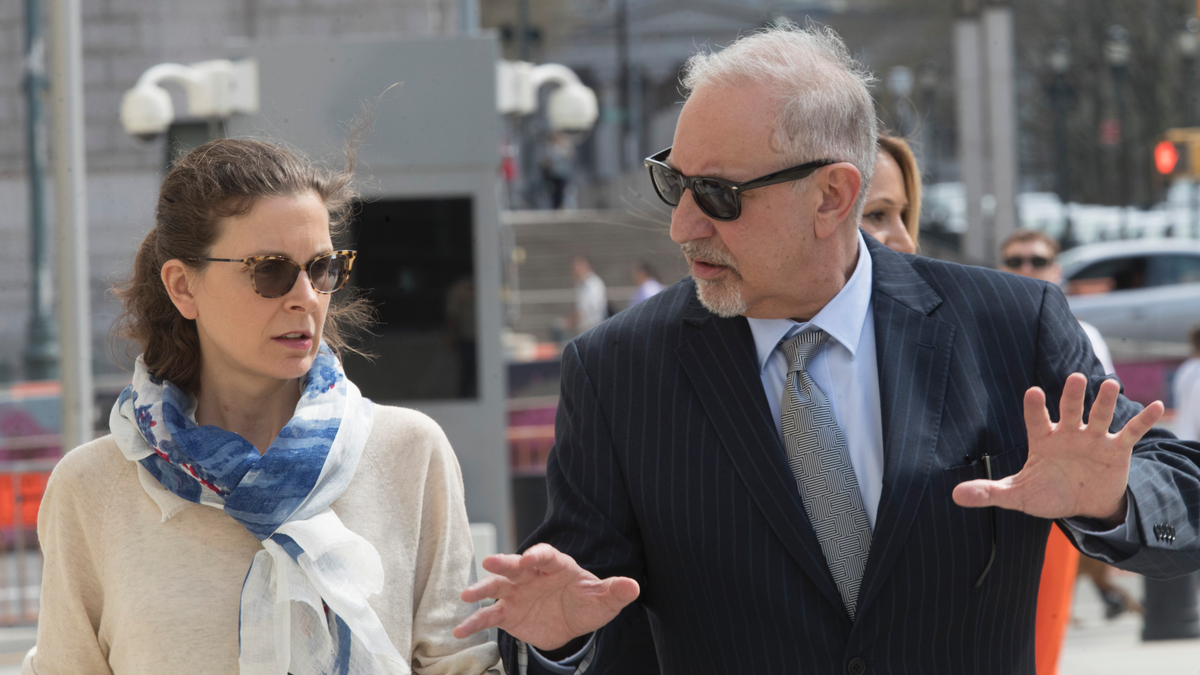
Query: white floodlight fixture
point(570, 107)
point(215, 89)
point(514, 88)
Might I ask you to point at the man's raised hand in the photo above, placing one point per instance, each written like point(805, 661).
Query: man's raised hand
point(1073, 469)
point(544, 598)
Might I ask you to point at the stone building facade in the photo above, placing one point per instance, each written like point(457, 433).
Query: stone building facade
point(122, 38)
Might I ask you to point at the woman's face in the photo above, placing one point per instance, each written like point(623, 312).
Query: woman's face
point(245, 337)
point(887, 203)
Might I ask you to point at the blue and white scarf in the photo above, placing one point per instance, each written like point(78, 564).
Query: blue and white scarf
point(304, 604)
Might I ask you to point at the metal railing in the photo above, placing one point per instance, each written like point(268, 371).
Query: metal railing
point(22, 483)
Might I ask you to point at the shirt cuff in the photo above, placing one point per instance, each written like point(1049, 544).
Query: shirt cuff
point(1125, 538)
point(565, 667)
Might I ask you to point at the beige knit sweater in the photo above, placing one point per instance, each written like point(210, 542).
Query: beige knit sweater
point(127, 591)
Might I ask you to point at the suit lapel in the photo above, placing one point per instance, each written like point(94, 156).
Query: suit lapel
point(913, 351)
point(720, 360)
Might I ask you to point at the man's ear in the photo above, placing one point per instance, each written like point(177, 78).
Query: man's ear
point(839, 185)
point(177, 279)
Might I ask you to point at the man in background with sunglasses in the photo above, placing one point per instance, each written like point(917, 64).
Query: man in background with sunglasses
point(770, 463)
point(1035, 255)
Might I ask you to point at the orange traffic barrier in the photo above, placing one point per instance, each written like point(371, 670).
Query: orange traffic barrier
point(1054, 600)
point(29, 488)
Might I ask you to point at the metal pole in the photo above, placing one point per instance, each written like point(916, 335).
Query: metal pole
point(1171, 611)
point(41, 352)
point(969, 79)
point(1189, 77)
point(70, 194)
point(1118, 73)
point(999, 49)
point(1060, 137)
point(623, 79)
point(1195, 208)
point(468, 17)
point(1061, 94)
point(929, 84)
point(523, 27)
point(525, 144)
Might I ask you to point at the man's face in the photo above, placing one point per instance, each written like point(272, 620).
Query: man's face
point(761, 260)
point(1027, 255)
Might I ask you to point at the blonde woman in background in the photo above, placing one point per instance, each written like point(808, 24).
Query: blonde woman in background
point(893, 211)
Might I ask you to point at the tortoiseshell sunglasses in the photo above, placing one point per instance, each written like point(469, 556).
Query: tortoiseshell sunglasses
point(273, 276)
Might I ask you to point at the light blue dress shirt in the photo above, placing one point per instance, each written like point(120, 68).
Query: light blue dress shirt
point(845, 369)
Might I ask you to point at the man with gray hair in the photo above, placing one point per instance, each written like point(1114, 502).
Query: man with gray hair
point(817, 455)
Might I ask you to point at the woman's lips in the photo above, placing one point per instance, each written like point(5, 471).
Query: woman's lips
point(707, 271)
point(302, 343)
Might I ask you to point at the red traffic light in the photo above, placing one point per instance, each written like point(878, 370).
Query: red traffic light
point(1165, 157)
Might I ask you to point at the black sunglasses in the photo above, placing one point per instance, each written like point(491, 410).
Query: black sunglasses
point(1014, 262)
point(273, 276)
point(717, 197)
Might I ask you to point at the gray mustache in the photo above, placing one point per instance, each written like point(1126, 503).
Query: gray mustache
point(708, 253)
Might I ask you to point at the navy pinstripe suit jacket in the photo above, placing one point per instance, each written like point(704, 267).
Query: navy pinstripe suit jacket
point(668, 469)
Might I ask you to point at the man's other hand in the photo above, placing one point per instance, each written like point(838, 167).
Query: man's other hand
point(544, 598)
point(1073, 469)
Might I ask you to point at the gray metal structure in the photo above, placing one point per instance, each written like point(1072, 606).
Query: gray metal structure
point(968, 78)
point(987, 121)
point(435, 136)
point(41, 353)
point(71, 222)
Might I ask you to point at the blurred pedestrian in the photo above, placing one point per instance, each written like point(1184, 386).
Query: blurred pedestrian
point(893, 210)
point(1186, 391)
point(558, 163)
point(251, 511)
point(591, 296)
point(1035, 255)
point(646, 282)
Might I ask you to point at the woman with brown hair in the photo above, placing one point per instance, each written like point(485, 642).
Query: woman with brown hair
point(892, 213)
point(251, 511)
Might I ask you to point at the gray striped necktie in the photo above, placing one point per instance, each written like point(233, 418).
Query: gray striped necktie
point(820, 461)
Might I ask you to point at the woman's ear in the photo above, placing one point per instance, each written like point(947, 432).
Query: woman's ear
point(176, 278)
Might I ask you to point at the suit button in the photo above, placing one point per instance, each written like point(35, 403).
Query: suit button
point(856, 666)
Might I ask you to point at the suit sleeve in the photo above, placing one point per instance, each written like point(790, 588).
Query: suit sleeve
point(1164, 473)
point(590, 518)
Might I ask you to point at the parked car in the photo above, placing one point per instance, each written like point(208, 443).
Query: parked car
point(1140, 289)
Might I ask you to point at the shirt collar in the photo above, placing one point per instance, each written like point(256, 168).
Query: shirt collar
point(842, 317)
